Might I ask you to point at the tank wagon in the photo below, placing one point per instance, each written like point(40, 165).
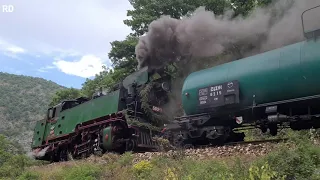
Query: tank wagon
point(278, 88)
point(107, 122)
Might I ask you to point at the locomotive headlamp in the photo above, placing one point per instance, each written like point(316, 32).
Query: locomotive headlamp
point(165, 86)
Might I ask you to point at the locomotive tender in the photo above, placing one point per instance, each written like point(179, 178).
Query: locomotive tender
point(278, 88)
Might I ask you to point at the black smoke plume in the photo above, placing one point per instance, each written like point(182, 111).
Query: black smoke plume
point(204, 34)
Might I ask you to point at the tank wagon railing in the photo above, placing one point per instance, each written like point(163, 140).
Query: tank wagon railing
point(312, 33)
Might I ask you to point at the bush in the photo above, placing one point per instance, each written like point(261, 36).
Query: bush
point(264, 173)
point(126, 159)
point(202, 170)
point(299, 163)
point(82, 172)
point(15, 166)
point(142, 169)
point(171, 174)
point(28, 175)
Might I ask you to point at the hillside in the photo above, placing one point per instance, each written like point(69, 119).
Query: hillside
point(23, 100)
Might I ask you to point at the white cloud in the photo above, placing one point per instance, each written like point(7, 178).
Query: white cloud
point(64, 29)
point(86, 27)
point(46, 68)
point(15, 49)
point(10, 49)
point(88, 66)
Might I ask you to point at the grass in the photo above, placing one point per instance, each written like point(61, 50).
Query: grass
point(297, 159)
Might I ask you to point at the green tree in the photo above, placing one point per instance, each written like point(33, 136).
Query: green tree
point(122, 53)
point(65, 94)
point(243, 7)
point(106, 79)
point(264, 2)
point(146, 11)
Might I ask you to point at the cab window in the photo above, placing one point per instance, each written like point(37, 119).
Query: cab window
point(51, 113)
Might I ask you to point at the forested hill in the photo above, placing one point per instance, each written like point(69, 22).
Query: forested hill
point(23, 100)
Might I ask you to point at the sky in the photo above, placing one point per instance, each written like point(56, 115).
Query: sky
point(62, 41)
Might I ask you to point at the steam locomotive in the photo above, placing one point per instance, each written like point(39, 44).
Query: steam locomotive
point(113, 121)
point(278, 88)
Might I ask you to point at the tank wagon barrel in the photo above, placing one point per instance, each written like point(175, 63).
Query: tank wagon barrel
point(286, 73)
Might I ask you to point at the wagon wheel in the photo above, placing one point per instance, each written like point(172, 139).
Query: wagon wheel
point(63, 155)
point(98, 153)
point(188, 146)
point(221, 139)
point(178, 141)
point(130, 145)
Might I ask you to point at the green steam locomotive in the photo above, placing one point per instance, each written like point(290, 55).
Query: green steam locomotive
point(115, 121)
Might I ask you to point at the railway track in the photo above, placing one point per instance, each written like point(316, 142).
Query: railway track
point(242, 147)
point(254, 142)
point(257, 141)
point(248, 148)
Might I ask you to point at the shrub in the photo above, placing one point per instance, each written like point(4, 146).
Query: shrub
point(28, 175)
point(205, 169)
point(15, 166)
point(171, 174)
point(76, 171)
point(142, 169)
point(126, 159)
point(83, 172)
point(264, 173)
point(298, 163)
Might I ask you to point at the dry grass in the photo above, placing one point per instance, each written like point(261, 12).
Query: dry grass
point(300, 160)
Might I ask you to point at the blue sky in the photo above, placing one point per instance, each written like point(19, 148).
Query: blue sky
point(62, 41)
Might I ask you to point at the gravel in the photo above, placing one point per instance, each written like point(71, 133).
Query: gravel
point(249, 150)
point(253, 150)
